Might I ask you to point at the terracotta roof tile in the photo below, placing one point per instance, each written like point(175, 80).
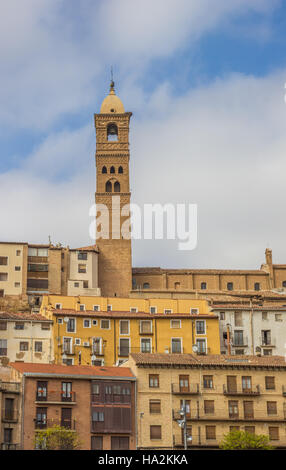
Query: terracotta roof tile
point(86, 248)
point(118, 314)
point(208, 360)
point(22, 316)
point(25, 367)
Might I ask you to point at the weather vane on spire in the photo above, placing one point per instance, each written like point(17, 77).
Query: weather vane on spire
point(112, 82)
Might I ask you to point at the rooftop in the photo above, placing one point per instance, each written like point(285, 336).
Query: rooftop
point(22, 317)
point(53, 369)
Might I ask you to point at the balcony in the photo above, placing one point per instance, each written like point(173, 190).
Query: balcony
point(192, 389)
point(104, 427)
point(10, 387)
point(56, 397)
point(267, 342)
point(250, 392)
point(9, 416)
point(9, 446)
point(49, 423)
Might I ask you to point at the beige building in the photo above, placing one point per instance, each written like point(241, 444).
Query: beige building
point(25, 338)
point(13, 269)
point(220, 393)
point(83, 272)
point(10, 411)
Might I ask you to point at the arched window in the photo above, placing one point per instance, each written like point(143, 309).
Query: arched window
point(116, 187)
point(203, 285)
point(257, 286)
point(229, 286)
point(120, 170)
point(104, 170)
point(108, 187)
point(112, 132)
point(112, 170)
point(177, 285)
point(146, 285)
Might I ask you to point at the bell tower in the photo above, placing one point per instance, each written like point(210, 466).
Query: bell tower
point(113, 191)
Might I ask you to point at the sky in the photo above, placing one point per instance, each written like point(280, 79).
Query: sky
point(205, 82)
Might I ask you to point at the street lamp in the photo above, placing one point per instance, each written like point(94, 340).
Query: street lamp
point(183, 424)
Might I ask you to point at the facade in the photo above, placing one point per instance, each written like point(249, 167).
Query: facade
point(83, 271)
point(13, 269)
point(97, 403)
point(220, 393)
point(252, 329)
point(10, 413)
point(27, 338)
point(113, 193)
point(107, 331)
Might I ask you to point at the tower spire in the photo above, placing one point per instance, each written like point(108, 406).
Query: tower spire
point(111, 81)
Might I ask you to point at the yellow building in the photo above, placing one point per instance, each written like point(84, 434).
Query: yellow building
point(220, 393)
point(101, 330)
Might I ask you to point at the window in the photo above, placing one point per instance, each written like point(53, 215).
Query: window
point(194, 311)
point(202, 346)
point(94, 322)
point(153, 310)
point(96, 308)
point(168, 311)
point(124, 327)
point(45, 326)
point(19, 326)
point(96, 442)
point(17, 284)
point(153, 381)
point(270, 383)
point(60, 321)
point(3, 276)
point(209, 406)
point(265, 337)
point(38, 346)
point(176, 324)
point(24, 346)
point(97, 346)
point(184, 383)
point(234, 428)
point(42, 252)
point(82, 268)
point(98, 416)
point(278, 317)
point(124, 347)
point(208, 381)
point(112, 170)
point(42, 390)
point(3, 347)
point(133, 309)
point(248, 409)
point(284, 284)
point(229, 286)
point(108, 187)
point(76, 284)
point(176, 345)
point(58, 306)
point(85, 284)
point(246, 383)
point(257, 286)
point(203, 286)
point(222, 315)
point(267, 352)
point(200, 327)
point(119, 443)
point(239, 352)
point(210, 432)
point(77, 341)
point(146, 285)
point(3, 325)
point(120, 170)
point(8, 435)
point(67, 345)
point(109, 308)
point(177, 285)
point(233, 409)
point(95, 389)
point(250, 429)
point(3, 260)
point(105, 324)
point(17, 268)
point(104, 170)
point(146, 345)
point(71, 325)
point(238, 338)
point(66, 391)
point(145, 326)
point(82, 255)
point(86, 323)
point(41, 284)
point(273, 433)
point(155, 406)
point(155, 432)
point(117, 187)
point(112, 132)
point(238, 319)
point(264, 315)
point(272, 408)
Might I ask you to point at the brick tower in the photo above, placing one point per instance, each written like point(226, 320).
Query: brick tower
point(112, 190)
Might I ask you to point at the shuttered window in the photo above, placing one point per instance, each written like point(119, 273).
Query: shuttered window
point(274, 433)
point(248, 409)
point(153, 381)
point(155, 406)
point(209, 406)
point(119, 443)
point(96, 443)
point(270, 383)
point(3, 325)
point(272, 408)
point(250, 429)
point(155, 432)
point(233, 409)
point(210, 432)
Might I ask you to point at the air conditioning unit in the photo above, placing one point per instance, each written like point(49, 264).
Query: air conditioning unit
point(86, 344)
point(167, 350)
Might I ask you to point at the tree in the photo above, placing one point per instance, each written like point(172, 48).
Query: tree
point(57, 438)
point(239, 440)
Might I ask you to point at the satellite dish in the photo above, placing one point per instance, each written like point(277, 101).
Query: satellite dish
point(195, 348)
point(258, 349)
point(66, 320)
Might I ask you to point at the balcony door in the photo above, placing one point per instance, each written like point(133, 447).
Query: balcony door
point(231, 383)
point(184, 383)
point(66, 418)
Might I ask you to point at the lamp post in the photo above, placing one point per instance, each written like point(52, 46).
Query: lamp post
point(183, 424)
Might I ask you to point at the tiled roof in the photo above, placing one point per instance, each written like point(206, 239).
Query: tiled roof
point(198, 271)
point(207, 360)
point(22, 316)
point(118, 314)
point(272, 306)
point(86, 248)
point(24, 367)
